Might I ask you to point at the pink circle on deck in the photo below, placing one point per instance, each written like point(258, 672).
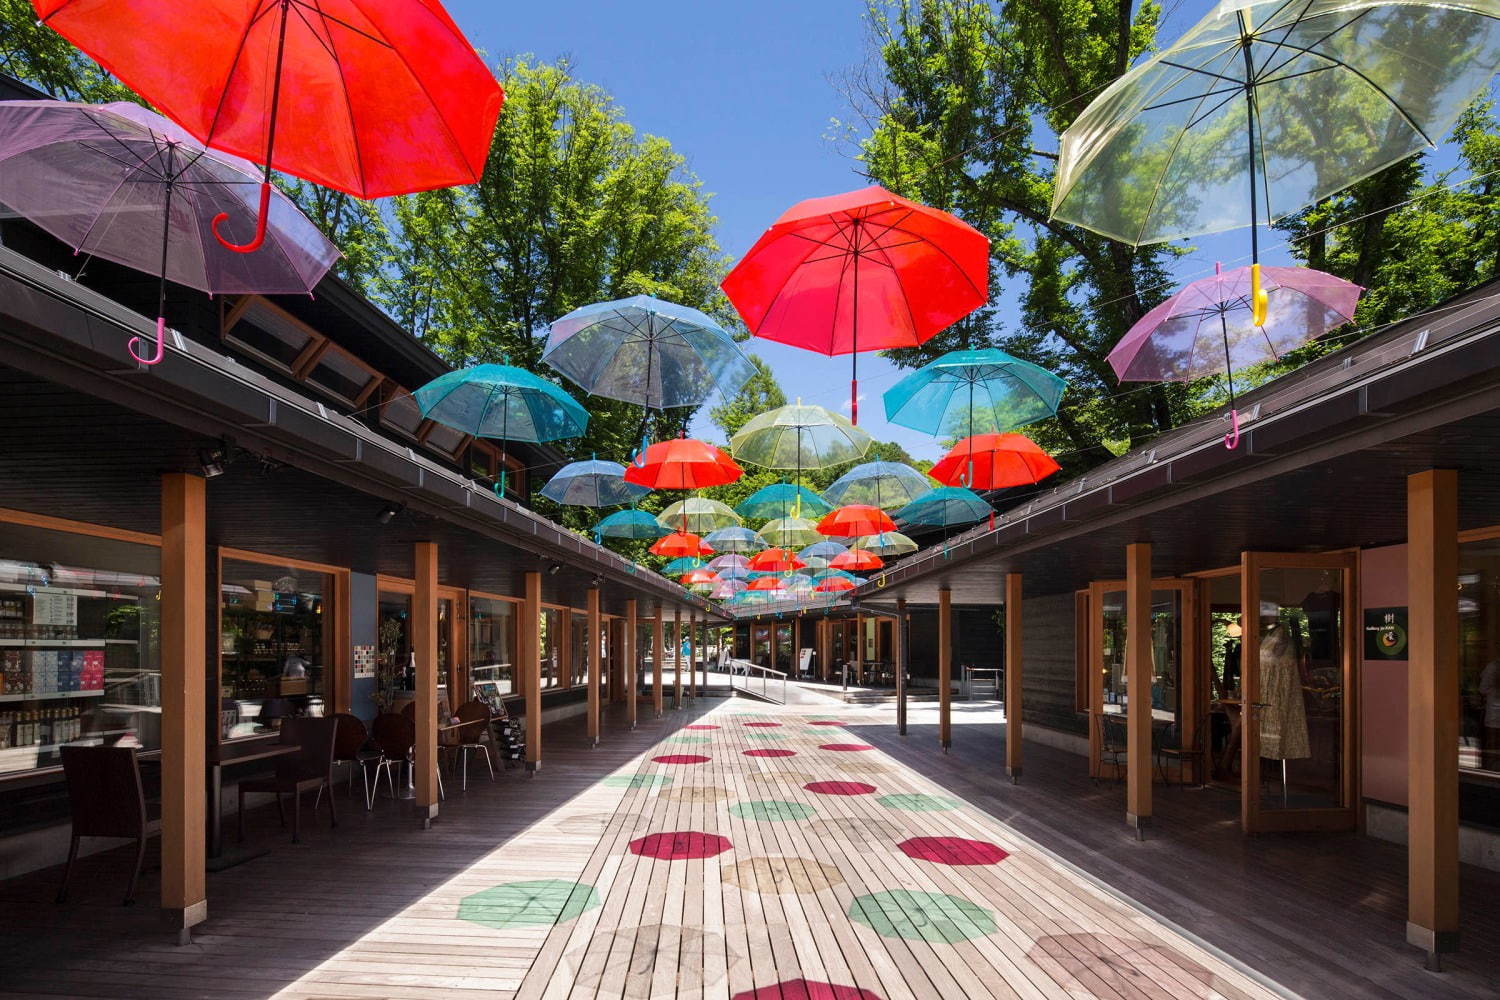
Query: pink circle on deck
point(953, 851)
point(839, 787)
point(700, 727)
point(680, 845)
point(763, 725)
point(806, 989)
point(681, 758)
point(769, 752)
point(846, 747)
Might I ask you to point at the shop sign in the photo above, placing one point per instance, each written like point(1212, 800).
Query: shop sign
point(1385, 633)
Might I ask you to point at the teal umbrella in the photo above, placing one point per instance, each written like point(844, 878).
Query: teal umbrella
point(782, 500)
point(945, 507)
point(964, 393)
point(630, 524)
point(681, 565)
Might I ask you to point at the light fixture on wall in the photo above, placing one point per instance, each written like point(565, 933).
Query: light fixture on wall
point(553, 569)
point(388, 512)
point(211, 461)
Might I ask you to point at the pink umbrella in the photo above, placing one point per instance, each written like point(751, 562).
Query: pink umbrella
point(119, 182)
point(1208, 327)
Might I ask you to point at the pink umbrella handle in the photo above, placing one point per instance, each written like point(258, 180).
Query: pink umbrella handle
point(854, 401)
point(1232, 439)
point(260, 224)
point(161, 329)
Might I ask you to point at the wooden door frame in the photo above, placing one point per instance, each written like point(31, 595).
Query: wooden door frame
point(1203, 637)
point(1253, 819)
point(458, 625)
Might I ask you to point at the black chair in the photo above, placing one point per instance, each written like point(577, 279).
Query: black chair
point(474, 724)
point(396, 736)
point(1169, 747)
point(106, 799)
point(309, 770)
point(351, 745)
point(1113, 748)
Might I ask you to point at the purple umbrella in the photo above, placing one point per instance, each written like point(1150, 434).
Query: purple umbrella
point(1208, 327)
point(120, 182)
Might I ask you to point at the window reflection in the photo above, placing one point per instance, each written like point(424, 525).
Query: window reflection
point(1479, 655)
point(273, 646)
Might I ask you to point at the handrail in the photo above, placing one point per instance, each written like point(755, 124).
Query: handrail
point(735, 667)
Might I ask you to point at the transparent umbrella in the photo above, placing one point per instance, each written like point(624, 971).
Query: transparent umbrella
point(790, 532)
point(699, 515)
point(881, 484)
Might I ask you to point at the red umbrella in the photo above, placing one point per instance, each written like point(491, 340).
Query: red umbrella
point(914, 270)
point(680, 543)
point(856, 519)
point(834, 584)
point(699, 576)
point(681, 464)
point(776, 561)
point(373, 99)
point(856, 561)
point(766, 583)
point(993, 462)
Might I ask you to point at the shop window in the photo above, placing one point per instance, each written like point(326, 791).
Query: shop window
point(551, 634)
point(443, 439)
point(400, 413)
point(269, 333)
point(339, 374)
point(492, 644)
point(395, 667)
point(275, 645)
point(1479, 656)
point(79, 645)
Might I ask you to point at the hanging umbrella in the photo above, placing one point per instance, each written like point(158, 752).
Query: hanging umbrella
point(119, 182)
point(681, 464)
point(834, 585)
point(857, 559)
point(727, 590)
point(735, 540)
point(818, 554)
point(681, 565)
point(910, 269)
point(645, 351)
point(728, 560)
point(1265, 107)
point(680, 543)
point(630, 524)
point(830, 573)
point(733, 572)
point(369, 99)
point(994, 462)
point(698, 514)
point(698, 576)
point(790, 532)
point(502, 402)
point(964, 392)
point(945, 507)
point(776, 561)
point(782, 500)
point(592, 484)
point(1183, 338)
point(882, 484)
point(854, 520)
point(887, 543)
point(798, 585)
point(766, 583)
point(799, 437)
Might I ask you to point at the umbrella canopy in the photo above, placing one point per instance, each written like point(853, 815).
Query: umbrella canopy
point(728, 560)
point(776, 561)
point(945, 507)
point(823, 550)
point(790, 532)
point(727, 590)
point(857, 560)
point(887, 543)
point(592, 484)
point(735, 540)
point(645, 351)
point(783, 500)
point(732, 572)
point(680, 543)
point(854, 520)
point(882, 484)
point(699, 515)
point(369, 99)
point(630, 524)
point(503, 402)
point(861, 271)
point(682, 564)
point(834, 585)
point(1184, 337)
point(799, 437)
point(694, 577)
point(993, 462)
point(766, 583)
point(681, 464)
point(966, 392)
point(119, 182)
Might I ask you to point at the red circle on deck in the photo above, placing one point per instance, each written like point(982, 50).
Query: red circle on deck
point(806, 989)
point(839, 787)
point(953, 851)
point(700, 727)
point(763, 725)
point(682, 845)
point(824, 722)
point(681, 758)
point(769, 752)
point(846, 747)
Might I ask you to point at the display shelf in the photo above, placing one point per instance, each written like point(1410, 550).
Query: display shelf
point(33, 588)
point(50, 695)
point(57, 643)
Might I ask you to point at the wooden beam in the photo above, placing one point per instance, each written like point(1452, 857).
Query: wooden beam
point(859, 652)
point(1138, 664)
point(899, 658)
point(658, 650)
point(184, 670)
point(632, 663)
point(677, 657)
point(593, 644)
point(1432, 721)
point(693, 654)
point(945, 667)
point(531, 667)
point(424, 644)
point(1013, 676)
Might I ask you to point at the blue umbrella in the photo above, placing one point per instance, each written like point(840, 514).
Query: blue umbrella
point(782, 500)
point(734, 539)
point(592, 484)
point(630, 524)
point(822, 550)
point(944, 507)
point(681, 565)
point(969, 392)
point(879, 484)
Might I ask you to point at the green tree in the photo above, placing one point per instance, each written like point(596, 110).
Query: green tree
point(761, 393)
point(35, 53)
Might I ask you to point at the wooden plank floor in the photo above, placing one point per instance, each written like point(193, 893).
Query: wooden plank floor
point(614, 874)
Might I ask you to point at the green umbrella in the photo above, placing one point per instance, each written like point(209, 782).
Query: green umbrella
point(698, 515)
point(790, 533)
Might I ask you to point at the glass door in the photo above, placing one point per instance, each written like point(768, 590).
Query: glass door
point(1298, 679)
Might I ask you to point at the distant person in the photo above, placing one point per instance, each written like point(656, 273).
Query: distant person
point(295, 665)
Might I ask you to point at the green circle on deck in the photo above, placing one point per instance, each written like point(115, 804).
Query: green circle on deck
point(922, 916)
point(917, 802)
point(687, 739)
point(772, 810)
point(765, 734)
point(528, 904)
point(637, 780)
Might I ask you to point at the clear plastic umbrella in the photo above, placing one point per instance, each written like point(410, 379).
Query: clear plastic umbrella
point(790, 532)
point(592, 483)
point(699, 515)
point(736, 539)
point(887, 543)
point(880, 484)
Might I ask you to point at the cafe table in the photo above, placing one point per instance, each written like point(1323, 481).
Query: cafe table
point(240, 751)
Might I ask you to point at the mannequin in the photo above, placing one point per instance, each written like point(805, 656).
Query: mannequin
point(1283, 721)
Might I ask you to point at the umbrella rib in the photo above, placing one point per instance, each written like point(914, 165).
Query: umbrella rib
point(357, 147)
point(906, 299)
point(936, 246)
point(1201, 72)
point(239, 50)
point(1286, 33)
point(343, 24)
point(1161, 177)
point(1236, 89)
point(1373, 86)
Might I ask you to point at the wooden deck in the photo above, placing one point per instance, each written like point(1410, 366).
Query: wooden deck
point(585, 882)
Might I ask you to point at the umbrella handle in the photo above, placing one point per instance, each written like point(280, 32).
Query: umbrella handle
point(1259, 297)
point(854, 401)
point(260, 224)
point(161, 327)
point(639, 458)
point(1232, 439)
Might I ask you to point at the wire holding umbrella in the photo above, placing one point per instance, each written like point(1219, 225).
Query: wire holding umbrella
point(122, 183)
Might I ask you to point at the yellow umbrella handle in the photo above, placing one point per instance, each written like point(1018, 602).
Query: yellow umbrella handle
point(1258, 297)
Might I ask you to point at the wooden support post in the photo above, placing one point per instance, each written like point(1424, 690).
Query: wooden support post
point(531, 667)
point(1013, 676)
point(1138, 655)
point(658, 651)
point(592, 646)
point(1432, 721)
point(772, 631)
point(859, 652)
point(632, 663)
point(184, 622)
point(424, 644)
point(703, 647)
point(796, 646)
point(693, 655)
point(677, 657)
point(945, 668)
point(898, 636)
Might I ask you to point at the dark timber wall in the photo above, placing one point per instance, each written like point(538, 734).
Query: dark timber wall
point(976, 641)
point(1047, 641)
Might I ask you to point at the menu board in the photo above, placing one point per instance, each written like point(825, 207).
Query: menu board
point(49, 608)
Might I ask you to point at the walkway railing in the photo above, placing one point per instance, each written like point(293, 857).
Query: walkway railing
point(763, 682)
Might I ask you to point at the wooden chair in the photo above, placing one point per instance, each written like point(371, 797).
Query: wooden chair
point(107, 799)
point(1113, 749)
point(474, 724)
point(309, 770)
point(1169, 747)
